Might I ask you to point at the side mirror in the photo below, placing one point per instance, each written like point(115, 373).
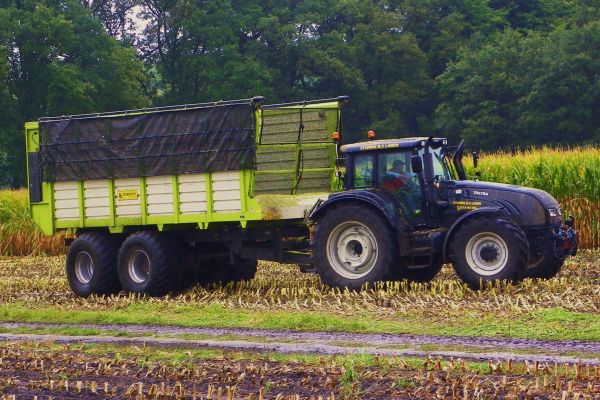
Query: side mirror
point(416, 163)
point(475, 156)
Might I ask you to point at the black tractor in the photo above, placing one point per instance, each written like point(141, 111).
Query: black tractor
point(408, 208)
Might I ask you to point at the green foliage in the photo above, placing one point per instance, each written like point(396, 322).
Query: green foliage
point(56, 60)
point(523, 90)
point(499, 73)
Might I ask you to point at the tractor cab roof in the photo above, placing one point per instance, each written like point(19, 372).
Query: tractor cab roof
point(388, 144)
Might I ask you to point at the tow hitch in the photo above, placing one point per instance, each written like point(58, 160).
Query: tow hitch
point(565, 239)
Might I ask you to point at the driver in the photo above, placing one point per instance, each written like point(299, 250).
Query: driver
point(396, 177)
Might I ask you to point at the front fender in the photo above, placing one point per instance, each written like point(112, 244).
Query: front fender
point(375, 199)
point(463, 218)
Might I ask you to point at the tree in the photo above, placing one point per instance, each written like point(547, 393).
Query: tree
point(536, 15)
point(523, 90)
point(59, 60)
point(114, 14)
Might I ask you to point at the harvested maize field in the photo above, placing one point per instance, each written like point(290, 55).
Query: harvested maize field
point(245, 340)
point(284, 335)
point(81, 372)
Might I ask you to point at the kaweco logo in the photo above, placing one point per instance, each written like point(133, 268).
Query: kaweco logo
point(478, 193)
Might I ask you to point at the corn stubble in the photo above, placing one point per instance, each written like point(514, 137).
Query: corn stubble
point(63, 372)
point(41, 281)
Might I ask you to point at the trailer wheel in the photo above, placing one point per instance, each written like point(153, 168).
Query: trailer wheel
point(487, 249)
point(91, 264)
point(147, 263)
point(351, 246)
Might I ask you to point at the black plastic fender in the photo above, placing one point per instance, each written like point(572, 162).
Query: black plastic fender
point(463, 218)
point(379, 200)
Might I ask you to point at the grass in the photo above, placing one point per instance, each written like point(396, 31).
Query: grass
point(547, 324)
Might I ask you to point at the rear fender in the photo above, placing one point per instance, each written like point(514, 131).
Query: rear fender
point(370, 199)
point(464, 218)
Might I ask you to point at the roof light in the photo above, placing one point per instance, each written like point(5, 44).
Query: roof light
point(371, 134)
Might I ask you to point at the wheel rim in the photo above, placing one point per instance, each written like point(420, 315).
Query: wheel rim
point(486, 253)
point(84, 267)
point(139, 266)
point(352, 250)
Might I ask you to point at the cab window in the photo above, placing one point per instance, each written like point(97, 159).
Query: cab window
point(363, 171)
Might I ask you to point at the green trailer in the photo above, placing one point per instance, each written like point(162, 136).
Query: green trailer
point(293, 166)
point(155, 200)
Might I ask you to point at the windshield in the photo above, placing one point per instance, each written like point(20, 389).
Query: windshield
point(440, 165)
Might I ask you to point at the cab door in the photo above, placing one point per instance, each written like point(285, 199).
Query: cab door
point(394, 175)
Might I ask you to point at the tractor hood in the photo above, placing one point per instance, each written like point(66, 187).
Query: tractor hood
point(528, 206)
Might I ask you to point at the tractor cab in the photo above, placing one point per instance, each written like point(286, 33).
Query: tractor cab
point(394, 168)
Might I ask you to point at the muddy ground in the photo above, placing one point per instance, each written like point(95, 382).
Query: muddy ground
point(67, 372)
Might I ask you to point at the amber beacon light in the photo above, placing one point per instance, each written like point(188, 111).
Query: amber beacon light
point(371, 135)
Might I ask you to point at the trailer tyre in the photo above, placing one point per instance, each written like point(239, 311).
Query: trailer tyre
point(487, 249)
point(352, 246)
point(91, 264)
point(147, 263)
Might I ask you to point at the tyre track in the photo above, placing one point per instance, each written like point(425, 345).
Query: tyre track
point(326, 343)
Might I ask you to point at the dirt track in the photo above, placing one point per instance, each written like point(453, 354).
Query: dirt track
point(327, 343)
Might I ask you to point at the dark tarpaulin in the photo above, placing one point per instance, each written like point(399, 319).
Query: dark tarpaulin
point(216, 138)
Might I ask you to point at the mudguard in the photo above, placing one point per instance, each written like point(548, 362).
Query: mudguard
point(381, 201)
point(463, 218)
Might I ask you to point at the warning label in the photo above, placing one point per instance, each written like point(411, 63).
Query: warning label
point(128, 194)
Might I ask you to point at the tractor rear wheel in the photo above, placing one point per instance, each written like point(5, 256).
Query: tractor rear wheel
point(352, 246)
point(487, 249)
point(91, 264)
point(147, 263)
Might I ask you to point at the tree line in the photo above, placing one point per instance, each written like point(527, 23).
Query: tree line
point(497, 73)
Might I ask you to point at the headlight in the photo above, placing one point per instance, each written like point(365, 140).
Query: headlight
point(554, 212)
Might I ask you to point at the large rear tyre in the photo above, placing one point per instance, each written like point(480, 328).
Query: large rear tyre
point(91, 264)
point(490, 248)
point(147, 263)
point(352, 246)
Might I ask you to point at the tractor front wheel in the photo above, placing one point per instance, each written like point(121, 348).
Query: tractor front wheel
point(487, 249)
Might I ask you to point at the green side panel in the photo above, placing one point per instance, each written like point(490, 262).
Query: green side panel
point(295, 153)
point(41, 212)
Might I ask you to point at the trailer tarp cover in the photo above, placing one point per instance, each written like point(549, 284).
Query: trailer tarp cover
point(206, 139)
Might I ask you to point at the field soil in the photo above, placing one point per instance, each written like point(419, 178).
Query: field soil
point(82, 372)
